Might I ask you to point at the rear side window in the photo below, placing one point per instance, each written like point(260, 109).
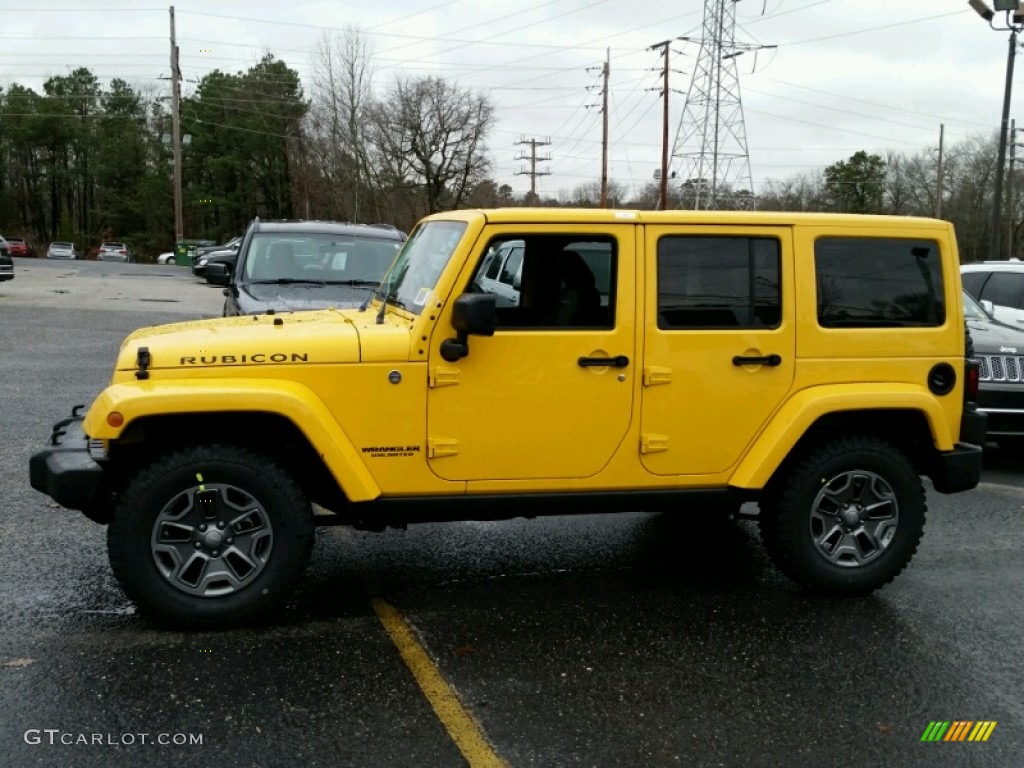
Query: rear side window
point(1005, 289)
point(718, 282)
point(878, 282)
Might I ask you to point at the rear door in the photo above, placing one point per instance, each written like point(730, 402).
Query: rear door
point(720, 343)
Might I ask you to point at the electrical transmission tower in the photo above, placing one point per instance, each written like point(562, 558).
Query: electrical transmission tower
point(711, 141)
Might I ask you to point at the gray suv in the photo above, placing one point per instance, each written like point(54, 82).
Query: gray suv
point(999, 352)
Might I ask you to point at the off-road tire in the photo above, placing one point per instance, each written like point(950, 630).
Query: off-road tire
point(786, 515)
point(284, 510)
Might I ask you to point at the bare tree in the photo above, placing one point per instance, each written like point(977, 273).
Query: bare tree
point(427, 135)
point(342, 91)
point(588, 194)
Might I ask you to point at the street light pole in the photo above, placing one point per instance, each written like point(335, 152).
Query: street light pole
point(1014, 23)
point(997, 204)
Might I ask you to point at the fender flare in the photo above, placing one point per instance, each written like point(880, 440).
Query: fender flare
point(296, 402)
point(791, 422)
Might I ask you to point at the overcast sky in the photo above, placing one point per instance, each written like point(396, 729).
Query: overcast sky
point(845, 76)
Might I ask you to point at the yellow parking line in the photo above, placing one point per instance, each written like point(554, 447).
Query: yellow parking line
point(464, 730)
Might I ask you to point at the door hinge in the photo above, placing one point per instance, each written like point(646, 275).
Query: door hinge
point(438, 447)
point(443, 377)
point(653, 443)
point(655, 375)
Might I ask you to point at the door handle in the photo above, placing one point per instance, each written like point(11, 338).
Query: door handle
point(619, 361)
point(770, 360)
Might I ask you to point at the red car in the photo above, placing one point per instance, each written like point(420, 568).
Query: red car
point(20, 247)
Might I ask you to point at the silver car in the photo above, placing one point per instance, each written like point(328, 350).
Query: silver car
point(63, 251)
point(6, 263)
point(115, 252)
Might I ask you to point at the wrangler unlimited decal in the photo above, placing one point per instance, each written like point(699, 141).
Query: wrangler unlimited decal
point(391, 451)
point(259, 357)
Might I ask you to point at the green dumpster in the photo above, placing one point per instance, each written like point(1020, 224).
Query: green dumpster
point(181, 254)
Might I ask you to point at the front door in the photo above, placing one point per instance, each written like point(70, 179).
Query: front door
point(550, 394)
point(720, 343)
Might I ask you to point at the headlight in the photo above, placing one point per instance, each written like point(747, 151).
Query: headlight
point(202, 262)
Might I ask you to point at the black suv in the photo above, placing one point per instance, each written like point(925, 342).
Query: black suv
point(297, 265)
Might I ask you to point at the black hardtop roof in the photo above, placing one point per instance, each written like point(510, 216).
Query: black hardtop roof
point(328, 228)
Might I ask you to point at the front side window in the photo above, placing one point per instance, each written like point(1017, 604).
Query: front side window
point(550, 281)
point(708, 282)
point(867, 282)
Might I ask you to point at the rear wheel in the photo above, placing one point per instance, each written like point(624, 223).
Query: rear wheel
point(210, 536)
point(847, 518)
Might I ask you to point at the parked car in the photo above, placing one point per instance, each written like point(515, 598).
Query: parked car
point(296, 265)
point(63, 250)
point(165, 258)
point(502, 272)
point(115, 252)
point(6, 263)
point(999, 286)
point(717, 375)
point(203, 255)
point(229, 258)
point(18, 246)
point(999, 352)
point(209, 247)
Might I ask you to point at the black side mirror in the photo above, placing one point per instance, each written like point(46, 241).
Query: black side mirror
point(218, 274)
point(472, 314)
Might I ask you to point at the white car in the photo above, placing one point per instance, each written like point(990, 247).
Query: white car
point(501, 272)
point(165, 258)
point(999, 286)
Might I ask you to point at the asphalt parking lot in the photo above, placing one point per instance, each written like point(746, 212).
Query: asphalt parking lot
point(596, 640)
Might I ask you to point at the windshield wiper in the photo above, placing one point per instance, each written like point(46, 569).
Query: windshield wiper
point(288, 281)
point(357, 283)
point(391, 298)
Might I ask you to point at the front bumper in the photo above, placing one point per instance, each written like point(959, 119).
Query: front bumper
point(65, 470)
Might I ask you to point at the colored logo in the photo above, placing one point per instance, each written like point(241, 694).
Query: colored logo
point(958, 730)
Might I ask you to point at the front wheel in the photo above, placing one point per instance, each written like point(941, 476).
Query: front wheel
point(847, 518)
point(210, 536)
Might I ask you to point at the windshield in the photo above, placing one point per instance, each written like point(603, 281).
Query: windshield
point(411, 279)
point(317, 258)
point(973, 310)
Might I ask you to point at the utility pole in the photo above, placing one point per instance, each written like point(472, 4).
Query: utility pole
point(1014, 23)
point(663, 192)
point(1009, 190)
point(997, 203)
point(604, 127)
point(938, 175)
point(533, 172)
point(179, 226)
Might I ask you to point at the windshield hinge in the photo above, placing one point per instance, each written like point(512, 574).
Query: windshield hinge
point(438, 447)
point(443, 377)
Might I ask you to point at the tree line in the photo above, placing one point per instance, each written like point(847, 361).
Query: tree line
point(84, 162)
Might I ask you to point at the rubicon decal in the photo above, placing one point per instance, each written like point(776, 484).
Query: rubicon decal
point(958, 730)
point(257, 357)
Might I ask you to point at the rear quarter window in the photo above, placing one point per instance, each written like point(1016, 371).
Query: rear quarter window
point(865, 282)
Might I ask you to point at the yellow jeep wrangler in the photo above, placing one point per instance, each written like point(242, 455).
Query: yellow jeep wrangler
point(526, 362)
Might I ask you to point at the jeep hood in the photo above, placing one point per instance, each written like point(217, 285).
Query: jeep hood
point(308, 338)
point(991, 337)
